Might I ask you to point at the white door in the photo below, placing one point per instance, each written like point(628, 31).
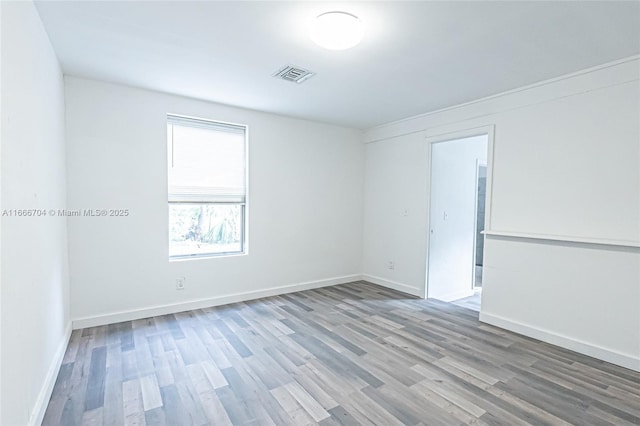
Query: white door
point(452, 216)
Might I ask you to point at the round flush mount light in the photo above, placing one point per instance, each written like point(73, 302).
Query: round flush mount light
point(336, 30)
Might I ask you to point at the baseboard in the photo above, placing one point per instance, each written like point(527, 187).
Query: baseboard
point(394, 285)
point(588, 349)
point(94, 321)
point(42, 402)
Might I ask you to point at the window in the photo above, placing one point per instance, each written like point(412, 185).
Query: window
point(207, 187)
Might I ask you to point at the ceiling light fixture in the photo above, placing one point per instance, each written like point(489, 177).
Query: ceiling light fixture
point(336, 30)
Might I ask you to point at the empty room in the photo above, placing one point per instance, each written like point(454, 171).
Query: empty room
point(319, 213)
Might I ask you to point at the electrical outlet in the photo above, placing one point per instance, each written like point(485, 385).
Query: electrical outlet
point(391, 265)
point(180, 283)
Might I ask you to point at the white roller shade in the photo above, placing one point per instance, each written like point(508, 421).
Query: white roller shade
point(206, 161)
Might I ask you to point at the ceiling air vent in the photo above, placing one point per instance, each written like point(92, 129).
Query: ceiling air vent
point(293, 73)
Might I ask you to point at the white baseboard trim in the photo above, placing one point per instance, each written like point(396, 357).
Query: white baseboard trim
point(134, 314)
point(40, 407)
point(608, 355)
point(394, 285)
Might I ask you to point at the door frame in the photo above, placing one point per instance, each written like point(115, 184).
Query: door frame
point(489, 131)
point(475, 232)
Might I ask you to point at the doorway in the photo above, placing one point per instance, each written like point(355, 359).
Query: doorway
point(457, 196)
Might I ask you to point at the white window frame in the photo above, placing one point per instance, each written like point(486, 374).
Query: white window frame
point(206, 123)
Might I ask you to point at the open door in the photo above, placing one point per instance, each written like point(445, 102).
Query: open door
point(481, 198)
point(452, 220)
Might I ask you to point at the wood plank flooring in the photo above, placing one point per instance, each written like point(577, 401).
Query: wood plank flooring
point(343, 355)
point(471, 302)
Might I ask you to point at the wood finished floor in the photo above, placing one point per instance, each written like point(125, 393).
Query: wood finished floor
point(349, 354)
point(471, 302)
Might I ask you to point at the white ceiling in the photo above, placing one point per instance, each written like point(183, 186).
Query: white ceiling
point(415, 57)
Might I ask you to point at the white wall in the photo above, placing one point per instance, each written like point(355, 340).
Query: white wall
point(452, 228)
point(305, 206)
point(566, 166)
point(580, 296)
point(34, 271)
point(396, 206)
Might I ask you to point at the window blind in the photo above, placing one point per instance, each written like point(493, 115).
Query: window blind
point(206, 161)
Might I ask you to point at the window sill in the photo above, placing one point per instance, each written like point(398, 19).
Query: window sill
point(205, 256)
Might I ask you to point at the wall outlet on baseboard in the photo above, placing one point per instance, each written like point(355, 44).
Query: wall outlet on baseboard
point(391, 265)
point(180, 283)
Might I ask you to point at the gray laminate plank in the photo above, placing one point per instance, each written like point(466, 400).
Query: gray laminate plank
point(294, 410)
point(235, 409)
point(337, 361)
point(190, 401)
point(126, 336)
point(93, 417)
point(339, 416)
point(133, 410)
point(150, 392)
point(567, 408)
point(348, 354)
point(364, 406)
point(244, 393)
point(174, 411)
point(233, 340)
point(95, 387)
point(316, 387)
point(113, 397)
point(72, 349)
point(155, 417)
point(396, 408)
point(174, 326)
point(60, 388)
point(213, 374)
point(129, 368)
point(309, 403)
point(69, 415)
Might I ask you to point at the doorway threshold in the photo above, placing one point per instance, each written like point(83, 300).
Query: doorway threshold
point(471, 302)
